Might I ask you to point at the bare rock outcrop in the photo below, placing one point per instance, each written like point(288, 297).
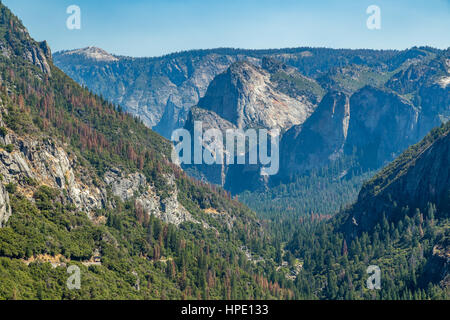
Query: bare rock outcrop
point(320, 139)
point(31, 163)
point(47, 163)
point(382, 125)
point(5, 208)
point(135, 186)
point(245, 96)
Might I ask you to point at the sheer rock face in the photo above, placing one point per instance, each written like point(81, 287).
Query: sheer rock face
point(382, 124)
point(320, 139)
point(373, 125)
point(215, 173)
point(186, 91)
point(245, 96)
point(243, 89)
point(434, 96)
point(428, 82)
point(435, 105)
point(47, 163)
point(174, 116)
point(37, 55)
point(420, 176)
point(158, 90)
point(161, 90)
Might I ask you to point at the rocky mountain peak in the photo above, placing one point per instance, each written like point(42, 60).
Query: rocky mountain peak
point(17, 42)
point(245, 96)
point(93, 53)
point(46, 49)
point(320, 139)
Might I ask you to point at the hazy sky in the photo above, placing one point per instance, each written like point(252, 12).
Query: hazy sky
point(156, 27)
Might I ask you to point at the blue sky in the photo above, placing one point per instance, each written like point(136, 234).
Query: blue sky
point(156, 27)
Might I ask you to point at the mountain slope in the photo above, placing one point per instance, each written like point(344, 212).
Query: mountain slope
point(396, 97)
point(421, 175)
point(85, 184)
point(161, 90)
point(400, 224)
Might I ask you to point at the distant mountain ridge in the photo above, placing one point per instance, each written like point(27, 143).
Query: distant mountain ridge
point(371, 126)
point(151, 87)
point(358, 108)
